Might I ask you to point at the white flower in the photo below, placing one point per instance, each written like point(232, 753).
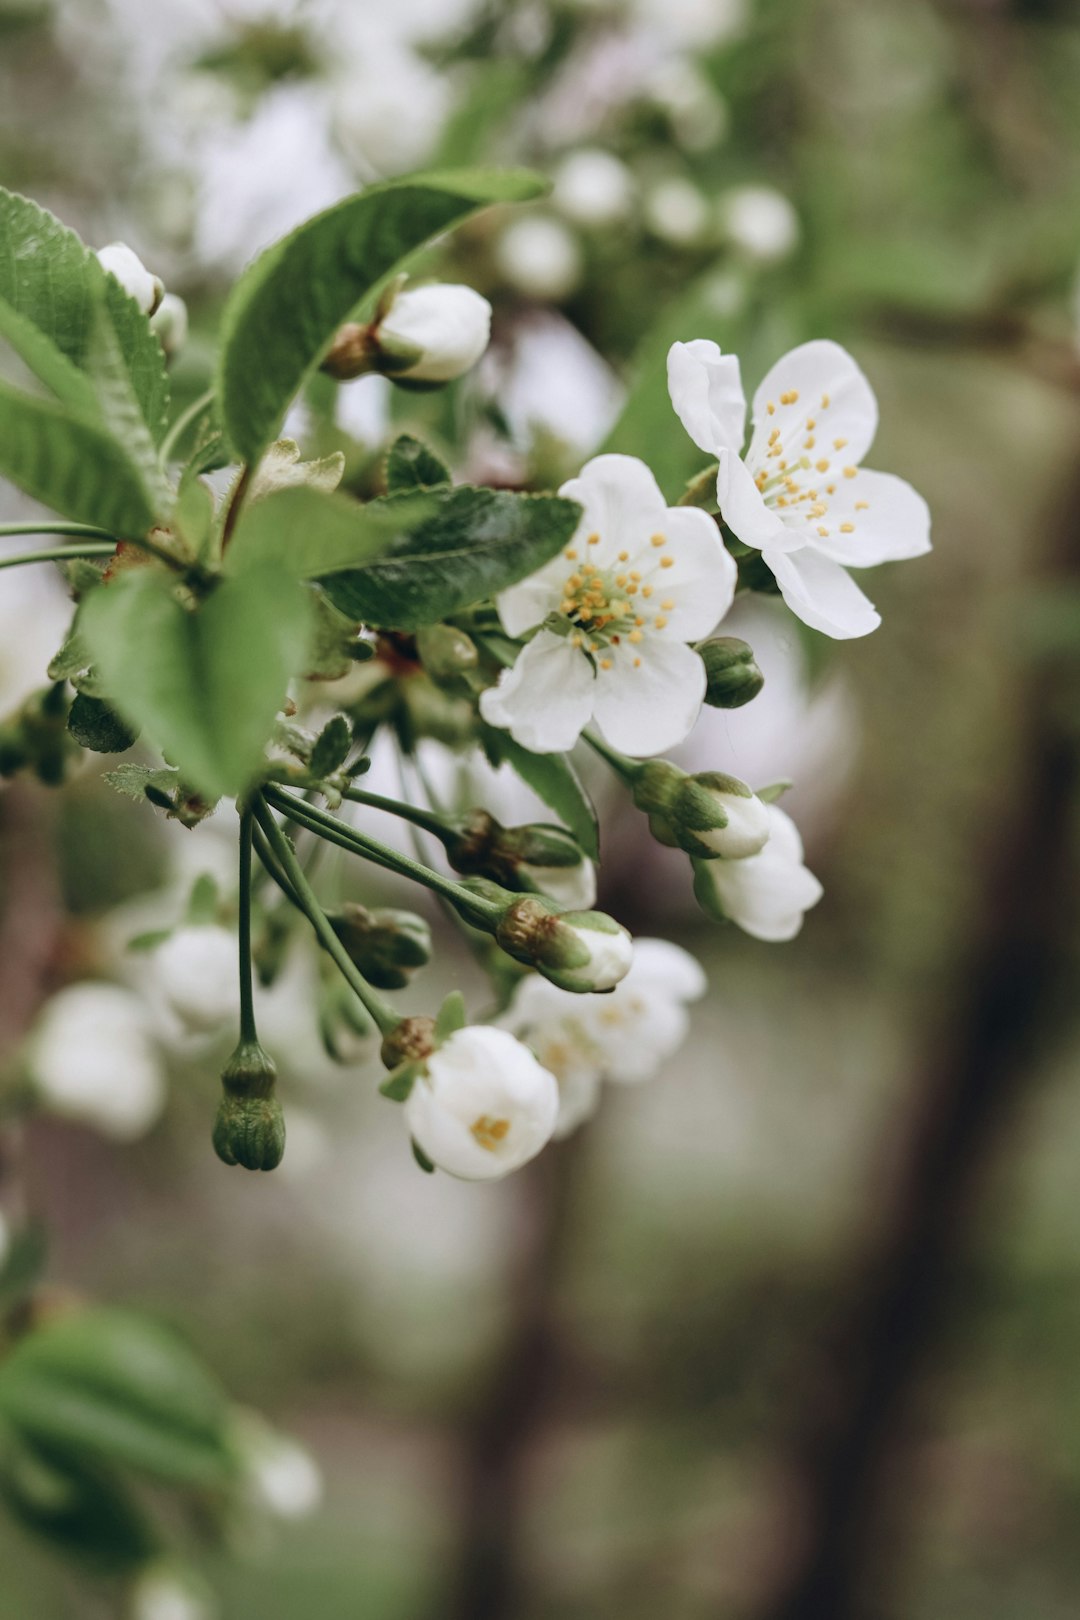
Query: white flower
point(164, 1593)
point(125, 265)
point(92, 1059)
point(389, 106)
point(482, 1106)
point(170, 323)
point(676, 211)
point(198, 975)
point(594, 188)
point(799, 495)
point(540, 257)
point(767, 894)
point(448, 327)
point(760, 221)
point(636, 583)
point(570, 886)
point(283, 1477)
point(610, 948)
point(626, 1036)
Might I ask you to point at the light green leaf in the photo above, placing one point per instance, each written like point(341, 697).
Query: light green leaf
point(112, 1386)
point(71, 465)
point(552, 778)
point(451, 1016)
point(204, 685)
point(411, 465)
point(48, 363)
point(311, 533)
point(478, 542)
point(285, 309)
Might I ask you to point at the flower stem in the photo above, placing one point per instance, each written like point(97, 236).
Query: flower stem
point(181, 425)
point(88, 531)
point(329, 827)
point(424, 819)
point(58, 554)
point(628, 769)
point(386, 1019)
point(248, 1031)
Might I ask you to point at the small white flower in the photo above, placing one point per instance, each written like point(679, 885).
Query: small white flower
point(636, 583)
point(799, 495)
point(676, 211)
point(482, 1106)
point(92, 1059)
point(540, 257)
point(594, 188)
point(389, 105)
point(760, 221)
point(125, 265)
point(449, 327)
point(767, 894)
point(164, 1593)
point(198, 975)
point(282, 1476)
point(626, 1036)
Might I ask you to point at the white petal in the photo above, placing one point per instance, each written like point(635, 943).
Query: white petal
point(707, 394)
point(821, 594)
point(546, 699)
point(622, 504)
point(742, 507)
point(889, 521)
point(660, 965)
point(768, 894)
point(652, 707)
point(527, 604)
point(700, 578)
point(831, 390)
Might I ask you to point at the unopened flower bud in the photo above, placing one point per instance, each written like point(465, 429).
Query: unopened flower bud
point(483, 1105)
point(446, 652)
point(169, 324)
point(36, 737)
point(386, 945)
point(731, 674)
point(535, 859)
point(250, 1127)
point(125, 265)
point(411, 1041)
point(717, 815)
point(577, 950)
point(427, 334)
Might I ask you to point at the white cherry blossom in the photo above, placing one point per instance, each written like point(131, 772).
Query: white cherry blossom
point(447, 327)
point(767, 894)
point(197, 975)
point(798, 494)
point(637, 582)
point(482, 1105)
point(92, 1059)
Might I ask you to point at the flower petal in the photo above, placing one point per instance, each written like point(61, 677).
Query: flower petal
point(743, 508)
point(694, 572)
point(546, 699)
point(527, 604)
point(821, 594)
point(622, 504)
point(832, 392)
point(707, 394)
point(649, 707)
point(886, 521)
point(663, 966)
point(767, 894)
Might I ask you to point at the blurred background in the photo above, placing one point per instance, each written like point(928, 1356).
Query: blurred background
point(792, 1331)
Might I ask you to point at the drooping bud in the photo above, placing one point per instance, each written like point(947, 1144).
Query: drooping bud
point(411, 1041)
point(535, 859)
point(708, 815)
point(426, 335)
point(386, 945)
point(125, 265)
point(446, 652)
point(250, 1127)
point(345, 1026)
point(731, 673)
point(577, 950)
point(36, 737)
point(482, 1106)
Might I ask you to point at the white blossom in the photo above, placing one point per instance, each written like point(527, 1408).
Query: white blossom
point(570, 886)
point(799, 494)
point(626, 1036)
point(128, 269)
point(282, 1476)
point(447, 326)
point(92, 1059)
point(483, 1105)
point(676, 211)
point(610, 948)
point(198, 976)
point(540, 257)
point(761, 222)
point(389, 105)
point(766, 894)
point(169, 323)
point(638, 581)
point(594, 188)
point(164, 1593)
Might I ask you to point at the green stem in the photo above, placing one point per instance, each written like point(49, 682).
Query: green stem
point(628, 769)
point(57, 554)
point(386, 1019)
point(88, 531)
point(424, 819)
point(329, 827)
point(181, 425)
point(248, 1031)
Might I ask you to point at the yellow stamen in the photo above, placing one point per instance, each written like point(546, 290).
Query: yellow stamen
point(489, 1132)
point(847, 528)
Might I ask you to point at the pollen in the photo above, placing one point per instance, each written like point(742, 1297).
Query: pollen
point(824, 533)
point(771, 408)
point(635, 576)
point(646, 590)
point(594, 539)
point(639, 620)
point(660, 621)
point(637, 663)
point(847, 528)
point(810, 442)
point(822, 465)
point(849, 472)
point(862, 506)
point(571, 555)
point(838, 444)
point(605, 663)
point(668, 605)
point(490, 1132)
point(790, 398)
point(811, 424)
point(824, 402)
point(620, 580)
point(774, 435)
point(575, 582)
point(659, 540)
point(667, 562)
point(635, 636)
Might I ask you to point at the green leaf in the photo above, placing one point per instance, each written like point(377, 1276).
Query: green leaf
point(312, 533)
point(48, 363)
point(164, 789)
point(71, 465)
point(203, 902)
point(332, 747)
point(451, 1016)
point(284, 311)
point(50, 278)
point(204, 685)
point(72, 659)
point(477, 543)
point(411, 465)
point(552, 778)
point(110, 1386)
point(96, 726)
point(22, 1265)
point(118, 405)
point(81, 1508)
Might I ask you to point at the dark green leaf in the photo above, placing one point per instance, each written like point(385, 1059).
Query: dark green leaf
point(478, 542)
point(22, 1265)
point(81, 1508)
point(552, 778)
point(285, 309)
point(204, 685)
point(311, 532)
point(96, 726)
point(411, 465)
point(331, 747)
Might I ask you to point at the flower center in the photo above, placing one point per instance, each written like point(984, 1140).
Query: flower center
point(490, 1132)
point(798, 468)
point(605, 606)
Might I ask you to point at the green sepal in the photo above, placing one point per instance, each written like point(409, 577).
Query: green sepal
point(421, 1158)
point(331, 748)
point(774, 791)
point(400, 1081)
point(250, 1132)
point(450, 1017)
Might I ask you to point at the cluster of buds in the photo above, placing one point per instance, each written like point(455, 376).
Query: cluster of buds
point(421, 336)
point(388, 946)
point(710, 815)
point(250, 1127)
point(581, 951)
point(534, 859)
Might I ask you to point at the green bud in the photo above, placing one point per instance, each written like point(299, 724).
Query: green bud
point(250, 1131)
point(446, 652)
point(577, 950)
point(411, 1041)
point(36, 738)
point(714, 815)
point(731, 673)
point(386, 945)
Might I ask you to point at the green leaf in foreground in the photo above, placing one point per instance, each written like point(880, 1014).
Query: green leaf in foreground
point(478, 542)
point(309, 532)
point(285, 309)
point(112, 1386)
point(204, 684)
point(552, 778)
